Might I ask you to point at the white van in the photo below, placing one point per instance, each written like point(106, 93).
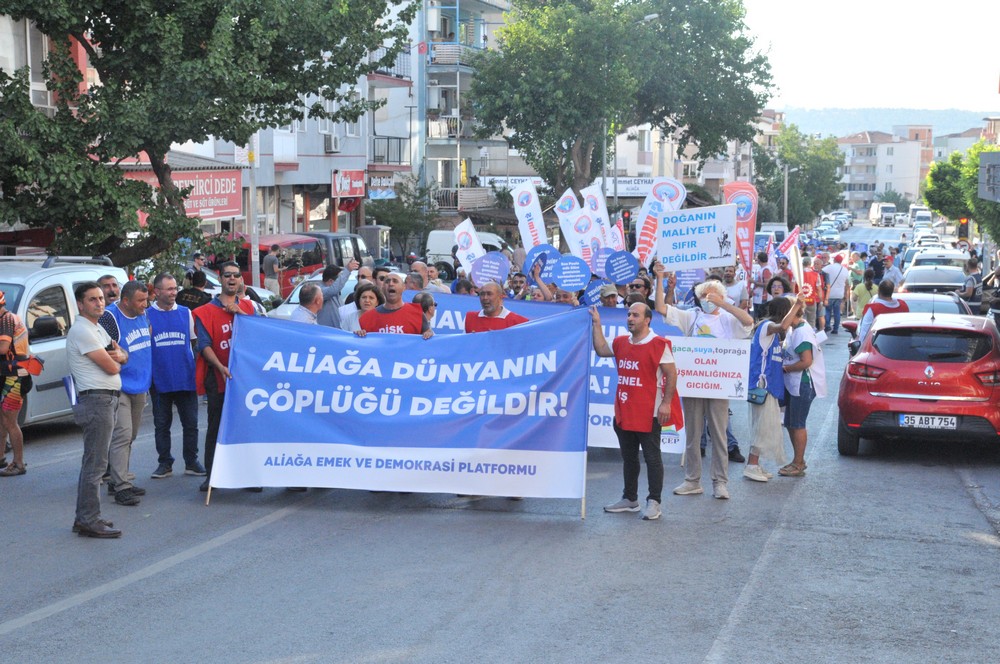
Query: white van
point(779, 231)
point(40, 291)
point(440, 243)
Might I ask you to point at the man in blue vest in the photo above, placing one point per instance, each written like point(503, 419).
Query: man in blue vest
point(133, 329)
point(173, 377)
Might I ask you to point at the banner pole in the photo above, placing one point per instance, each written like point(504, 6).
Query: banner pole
point(583, 508)
point(208, 496)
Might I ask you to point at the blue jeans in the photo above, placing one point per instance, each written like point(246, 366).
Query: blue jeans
point(833, 314)
point(95, 414)
point(186, 403)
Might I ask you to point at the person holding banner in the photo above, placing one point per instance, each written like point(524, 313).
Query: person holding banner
point(645, 401)
point(395, 316)
point(213, 324)
point(712, 316)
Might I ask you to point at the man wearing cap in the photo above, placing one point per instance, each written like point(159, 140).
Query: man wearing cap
point(95, 362)
point(891, 272)
point(14, 384)
point(493, 316)
point(395, 316)
point(609, 295)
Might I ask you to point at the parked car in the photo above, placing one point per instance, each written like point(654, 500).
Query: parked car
point(937, 303)
point(285, 309)
point(932, 279)
point(342, 247)
point(301, 255)
point(40, 291)
point(952, 257)
point(922, 376)
point(829, 236)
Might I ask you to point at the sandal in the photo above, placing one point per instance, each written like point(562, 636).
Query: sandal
point(13, 469)
point(792, 470)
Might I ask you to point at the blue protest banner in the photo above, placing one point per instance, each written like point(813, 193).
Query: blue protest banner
point(549, 257)
point(621, 267)
point(572, 273)
point(599, 261)
point(494, 266)
point(324, 408)
point(592, 293)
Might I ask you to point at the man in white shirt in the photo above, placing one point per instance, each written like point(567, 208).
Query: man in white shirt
point(95, 363)
point(310, 303)
point(837, 276)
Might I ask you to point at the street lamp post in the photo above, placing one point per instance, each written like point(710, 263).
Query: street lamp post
point(787, 171)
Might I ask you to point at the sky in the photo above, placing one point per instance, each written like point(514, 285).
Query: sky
point(880, 53)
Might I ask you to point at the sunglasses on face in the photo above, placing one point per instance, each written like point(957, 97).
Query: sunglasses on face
point(636, 286)
point(230, 275)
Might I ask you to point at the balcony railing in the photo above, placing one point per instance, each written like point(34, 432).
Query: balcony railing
point(465, 198)
point(390, 150)
point(399, 69)
point(450, 53)
point(451, 127)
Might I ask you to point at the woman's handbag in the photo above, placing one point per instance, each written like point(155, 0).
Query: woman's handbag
point(758, 395)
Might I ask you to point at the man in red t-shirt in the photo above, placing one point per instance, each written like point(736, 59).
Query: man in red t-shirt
point(395, 316)
point(813, 290)
point(494, 316)
point(646, 400)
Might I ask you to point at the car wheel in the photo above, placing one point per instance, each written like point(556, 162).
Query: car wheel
point(446, 270)
point(847, 441)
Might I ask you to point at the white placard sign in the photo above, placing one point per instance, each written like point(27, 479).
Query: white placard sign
point(697, 238)
point(712, 368)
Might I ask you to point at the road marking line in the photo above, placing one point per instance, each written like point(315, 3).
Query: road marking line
point(74, 601)
point(745, 601)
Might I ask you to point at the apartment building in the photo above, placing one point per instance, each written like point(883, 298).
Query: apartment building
point(876, 162)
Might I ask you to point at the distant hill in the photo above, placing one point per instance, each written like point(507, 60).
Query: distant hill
point(846, 121)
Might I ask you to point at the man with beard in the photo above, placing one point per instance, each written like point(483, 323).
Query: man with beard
point(493, 316)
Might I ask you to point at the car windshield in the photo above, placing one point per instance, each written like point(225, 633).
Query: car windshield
point(12, 293)
point(932, 345)
point(939, 260)
point(939, 305)
point(933, 275)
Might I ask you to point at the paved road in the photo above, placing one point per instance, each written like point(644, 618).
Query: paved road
point(891, 556)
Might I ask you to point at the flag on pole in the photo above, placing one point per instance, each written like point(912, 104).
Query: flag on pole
point(529, 215)
point(744, 196)
point(469, 246)
point(665, 195)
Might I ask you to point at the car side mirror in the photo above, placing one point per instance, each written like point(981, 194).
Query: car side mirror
point(44, 328)
point(853, 347)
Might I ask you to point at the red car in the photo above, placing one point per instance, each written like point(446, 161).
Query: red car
point(920, 375)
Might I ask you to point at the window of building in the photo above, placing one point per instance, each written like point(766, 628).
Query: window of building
point(325, 125)
point(354, 128)
point(888, 169)
point(888, 151)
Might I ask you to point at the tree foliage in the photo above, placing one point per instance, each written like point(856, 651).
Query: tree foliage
point(897, 198)
point(986, 213)
point(568, 69)
point(944, 193)
point(171, 73)
point(813, 181)
point(411, 215)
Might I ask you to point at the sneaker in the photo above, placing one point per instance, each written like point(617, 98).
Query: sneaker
point(195, 469)
point(652, 511)
point(688, 489)
point(735, 456)
point(126, 497)
point(720, 490)
point(623, 505)
point(755, 473)
point(163, 470)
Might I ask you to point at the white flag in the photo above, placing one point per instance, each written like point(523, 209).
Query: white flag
point(597, 207)
point(529, 215)
point(469, 246)
point(665, 195)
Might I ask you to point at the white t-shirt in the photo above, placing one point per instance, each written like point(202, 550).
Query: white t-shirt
point(836, 275)
point(86, 337)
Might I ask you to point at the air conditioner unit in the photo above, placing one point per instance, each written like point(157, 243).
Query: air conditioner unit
point(331, 143)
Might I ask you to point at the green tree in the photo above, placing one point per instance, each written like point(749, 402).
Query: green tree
point(568, 72)
point(411, 215)
point(170, 73)
point(986, 213)
point(944, 193)
point(813, 183)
